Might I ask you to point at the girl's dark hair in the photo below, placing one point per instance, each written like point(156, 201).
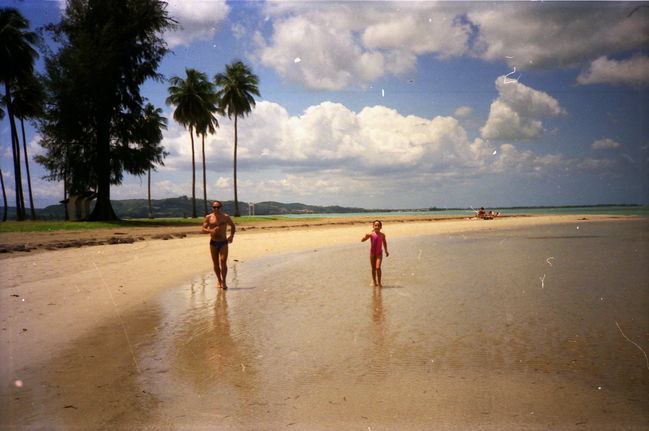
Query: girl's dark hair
point(379, 221)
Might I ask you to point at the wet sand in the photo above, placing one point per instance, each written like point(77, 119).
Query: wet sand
point(509, 327)
point(20, 243)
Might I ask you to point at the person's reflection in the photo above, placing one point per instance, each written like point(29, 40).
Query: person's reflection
point(377, 309)
point(208, 355)
point(378, 356)
point(235, 274)
point(197, 295)
point(221, 348)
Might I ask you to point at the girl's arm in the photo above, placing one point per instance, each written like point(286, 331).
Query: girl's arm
point(366, 237)
point(385, 246)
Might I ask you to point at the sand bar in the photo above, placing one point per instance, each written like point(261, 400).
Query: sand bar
point(51, 300)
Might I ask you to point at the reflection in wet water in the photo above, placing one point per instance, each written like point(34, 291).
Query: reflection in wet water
point(376, 356)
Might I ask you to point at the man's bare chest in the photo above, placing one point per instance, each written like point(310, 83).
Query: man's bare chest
point(216, 220)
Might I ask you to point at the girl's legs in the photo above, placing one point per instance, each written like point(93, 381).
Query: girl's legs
point(378, 269)
point(375, 263)
point(373, 266)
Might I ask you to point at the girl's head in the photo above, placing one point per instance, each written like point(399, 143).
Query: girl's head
point(377, 225)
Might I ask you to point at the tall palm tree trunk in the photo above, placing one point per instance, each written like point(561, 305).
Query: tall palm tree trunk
point(204, 177)
point(15, 147)
point(236, 196)
point(65, 188)
point(4, 197)
point(149, 194)
point(20, 198)
point(29, 178)
point(16, 174)
point(191, 134)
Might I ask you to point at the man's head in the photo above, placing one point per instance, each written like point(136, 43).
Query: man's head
point(216, 206)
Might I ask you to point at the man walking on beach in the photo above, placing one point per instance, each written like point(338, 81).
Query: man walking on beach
point(216, 224)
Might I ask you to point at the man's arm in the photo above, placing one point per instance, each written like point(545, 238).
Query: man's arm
point(232, 229)
point(206, 224)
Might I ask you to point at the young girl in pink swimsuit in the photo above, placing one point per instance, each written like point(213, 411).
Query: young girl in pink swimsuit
point(377, 244)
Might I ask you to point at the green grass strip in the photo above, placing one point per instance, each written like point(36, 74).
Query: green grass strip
point(48, 226)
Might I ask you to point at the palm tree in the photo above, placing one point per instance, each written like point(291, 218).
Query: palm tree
point(2, 181)
point(191, 97)
point(17, 57)
point(237, 86)
point(4, 197)
point(154, 123)
point(206, 125)
point(28, 103)
point(149, 208)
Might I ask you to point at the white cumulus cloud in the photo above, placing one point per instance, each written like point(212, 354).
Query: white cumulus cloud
point(605, 144)
point(463, 111)
point(633, 72)
point(538, 35)
point(329, 151)
point(517, 112)
point(344, 44)
point(331, 136)
point(197, 19)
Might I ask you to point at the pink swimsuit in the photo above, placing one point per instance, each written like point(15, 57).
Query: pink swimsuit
point(376, 244)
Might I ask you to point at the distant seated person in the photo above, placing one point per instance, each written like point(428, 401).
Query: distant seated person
point(491, 215)
point(480, 213)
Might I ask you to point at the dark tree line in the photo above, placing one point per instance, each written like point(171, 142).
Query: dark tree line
point(94, 123)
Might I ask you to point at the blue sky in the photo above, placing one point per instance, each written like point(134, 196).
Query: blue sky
point(407, 104)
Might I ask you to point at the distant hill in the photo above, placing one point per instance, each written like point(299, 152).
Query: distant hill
point(182, 207)
point(269, 207)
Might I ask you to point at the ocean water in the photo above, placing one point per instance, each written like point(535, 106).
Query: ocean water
point(609, 210)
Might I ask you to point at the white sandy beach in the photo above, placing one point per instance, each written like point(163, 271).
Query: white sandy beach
point(51, 299)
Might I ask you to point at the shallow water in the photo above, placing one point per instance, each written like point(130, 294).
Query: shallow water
point(507, 329)
point(603, 209)
point(464, 323)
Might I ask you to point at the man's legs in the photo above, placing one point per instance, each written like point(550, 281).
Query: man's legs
point(223, 263)
point(215, 261)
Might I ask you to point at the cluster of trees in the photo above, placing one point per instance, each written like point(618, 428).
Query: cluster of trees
point(21, 96)
point(94, 123)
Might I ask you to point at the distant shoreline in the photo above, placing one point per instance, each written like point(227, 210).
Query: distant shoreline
point(182, 208)
point(512, 211)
